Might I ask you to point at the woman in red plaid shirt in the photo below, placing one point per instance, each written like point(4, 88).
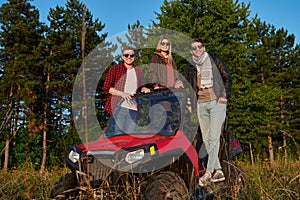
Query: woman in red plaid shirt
point(122, 81)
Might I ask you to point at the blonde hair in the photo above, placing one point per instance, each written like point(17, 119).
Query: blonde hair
point(158, 48)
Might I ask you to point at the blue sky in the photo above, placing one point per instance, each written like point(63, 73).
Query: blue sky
point(117, 14)
point(280, 13)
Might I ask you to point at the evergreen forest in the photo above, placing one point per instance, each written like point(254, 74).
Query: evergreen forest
point(39, 62)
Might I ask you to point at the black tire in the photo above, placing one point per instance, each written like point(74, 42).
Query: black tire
point(64, 188)
point(166, 185)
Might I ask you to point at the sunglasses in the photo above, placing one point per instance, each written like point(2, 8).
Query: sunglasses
point(165, 43)
point(194, 48)
point(128, 55)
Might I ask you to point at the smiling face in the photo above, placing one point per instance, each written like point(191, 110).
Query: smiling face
point(165, 45)
point(197, 49)
point(128, 56)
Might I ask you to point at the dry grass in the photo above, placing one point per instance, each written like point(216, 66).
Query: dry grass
point(26, 183)
point(279, 182)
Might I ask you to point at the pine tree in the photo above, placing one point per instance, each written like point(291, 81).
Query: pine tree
point(261, 59)
point(21, 33)
point(274, 68)
point(224, 27)
point(64, 40)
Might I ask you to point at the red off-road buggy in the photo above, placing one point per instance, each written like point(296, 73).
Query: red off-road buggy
point(157, 161)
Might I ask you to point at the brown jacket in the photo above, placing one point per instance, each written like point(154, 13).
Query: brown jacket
point(158, 70)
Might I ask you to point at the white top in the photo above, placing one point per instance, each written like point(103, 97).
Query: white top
point(130, 87)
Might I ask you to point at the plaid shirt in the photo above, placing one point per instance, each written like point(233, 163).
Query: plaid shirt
point(116, 78)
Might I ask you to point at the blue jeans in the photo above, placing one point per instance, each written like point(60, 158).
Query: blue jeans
point(124, 120)
point(211, 117)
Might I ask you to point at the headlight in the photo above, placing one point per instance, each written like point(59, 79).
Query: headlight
point(74, 156)
point(134, 156)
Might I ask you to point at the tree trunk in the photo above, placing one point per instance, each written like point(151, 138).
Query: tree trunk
point(251, 154)
point(271, 151)
point(284, 148)
point(84, 80)
point(45, 124)
point(83, 72)
point(16, 120)
point(7, 122)
point(6, 156)
point(283, 133)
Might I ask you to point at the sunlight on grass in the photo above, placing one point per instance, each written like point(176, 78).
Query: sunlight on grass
point(279, 182)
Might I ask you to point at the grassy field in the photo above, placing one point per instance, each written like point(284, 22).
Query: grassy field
point(282, 181)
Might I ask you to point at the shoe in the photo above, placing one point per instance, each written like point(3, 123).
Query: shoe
point(218, 176)
point(205, 179)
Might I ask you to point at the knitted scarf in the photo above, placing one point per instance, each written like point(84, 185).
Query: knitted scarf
point(204, 68)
